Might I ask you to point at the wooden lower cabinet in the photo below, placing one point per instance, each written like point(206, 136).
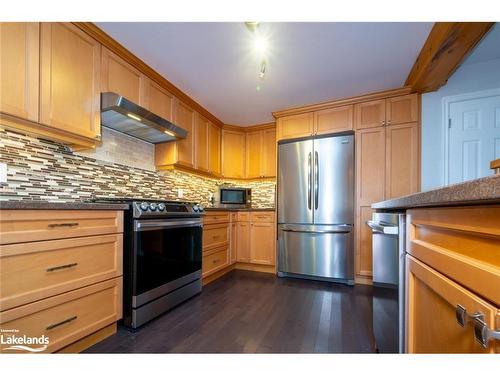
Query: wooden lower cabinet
point(233, 242)
point(262, 243)
point(67, 317)
point(215, 260)
point(432, 301)
point(364, 256)
point(243, 243)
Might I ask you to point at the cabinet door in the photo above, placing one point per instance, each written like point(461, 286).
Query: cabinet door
point(268, 168)
point(233, 154)
point(402, 109)
point(262, 243)
point(159, 100)
point(334, 120)
point(233, 242)
point(243, 242)
point(214, 142)
point(369, 114)
point(120, 77)
point(295, 126)
point(364, 254)
point(201, 149)
point(402, 160)
point(19, 69)
point(70, 69)
point(431, 305)
point(253, 154)
point(370, 165)
point(185, 117)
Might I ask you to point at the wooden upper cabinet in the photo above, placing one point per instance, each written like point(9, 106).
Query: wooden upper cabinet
point(120, 77)
point(159, 101)
point(70, 71)
point(262, 243)
point(185, 117)
point(369, 114)
point(402, 109)
point(19, 69)
point(233, 153)
point(402, 160)
point(431, 305)
point(370, 166)
point(254, 156)
point(295, 126)
point(214, 146)
point(268, 168)
point(334, 120)
point(202, 148)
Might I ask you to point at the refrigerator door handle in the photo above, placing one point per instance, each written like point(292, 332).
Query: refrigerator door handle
point(341, 228)
point(316, 180)
point(309, 181)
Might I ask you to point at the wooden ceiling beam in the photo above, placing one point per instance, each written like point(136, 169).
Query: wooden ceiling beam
point(447, 45)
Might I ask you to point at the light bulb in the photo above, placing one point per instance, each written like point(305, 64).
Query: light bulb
point(261, 45)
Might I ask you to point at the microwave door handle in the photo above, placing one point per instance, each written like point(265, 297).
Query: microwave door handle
point(309, 181)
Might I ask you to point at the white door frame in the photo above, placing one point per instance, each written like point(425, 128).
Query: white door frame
point(446, 102)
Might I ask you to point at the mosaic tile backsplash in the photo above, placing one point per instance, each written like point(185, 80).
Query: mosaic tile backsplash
point(44, 170)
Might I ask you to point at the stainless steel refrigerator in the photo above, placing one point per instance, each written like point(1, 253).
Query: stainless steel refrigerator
point(316, 208)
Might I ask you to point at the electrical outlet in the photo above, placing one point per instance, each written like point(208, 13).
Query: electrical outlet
point(180, 193)
point(3, 173)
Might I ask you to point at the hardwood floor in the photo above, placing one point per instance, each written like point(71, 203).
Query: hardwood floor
point(250, 312)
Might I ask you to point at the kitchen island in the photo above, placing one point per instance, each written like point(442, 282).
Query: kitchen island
point(452, 273)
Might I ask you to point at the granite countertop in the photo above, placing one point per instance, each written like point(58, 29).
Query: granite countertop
point(239, 209)
point(45, 205)
point(484, 190)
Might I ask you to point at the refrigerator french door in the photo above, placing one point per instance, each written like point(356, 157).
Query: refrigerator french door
point(316, 208)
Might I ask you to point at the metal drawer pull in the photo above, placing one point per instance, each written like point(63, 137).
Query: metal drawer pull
point(56, 225)
point(463, 317)
point(483, 333)
point(52, 326)
point(64, 266)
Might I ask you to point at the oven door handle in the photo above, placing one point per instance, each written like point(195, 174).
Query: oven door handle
point(143, 225)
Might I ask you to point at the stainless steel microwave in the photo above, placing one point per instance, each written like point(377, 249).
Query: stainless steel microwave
point(234, 197)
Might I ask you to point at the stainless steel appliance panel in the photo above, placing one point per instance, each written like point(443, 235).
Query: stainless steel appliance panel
point(334, 180)
point(295, 182)
point(385, 248)
point(316, 251)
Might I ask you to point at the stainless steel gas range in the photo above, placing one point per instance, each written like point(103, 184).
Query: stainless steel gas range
point(162, 257)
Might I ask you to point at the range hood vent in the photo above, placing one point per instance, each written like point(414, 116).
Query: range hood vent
point(120, 114)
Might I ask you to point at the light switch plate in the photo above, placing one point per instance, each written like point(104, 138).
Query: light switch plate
point(3, 173)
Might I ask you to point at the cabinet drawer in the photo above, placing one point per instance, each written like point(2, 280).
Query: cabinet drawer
point(67, 317)
point(234, 216)
point(431, 308)
point(54, 267)
point(462, 243)
point(39, 225)
point(262, 217)
point(243, 216)
point(215, 261)
point(214, 217)
point(215, 235)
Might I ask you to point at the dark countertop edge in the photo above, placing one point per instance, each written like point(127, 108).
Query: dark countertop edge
point(38, 205)
point(481, 191)
point(238, 209)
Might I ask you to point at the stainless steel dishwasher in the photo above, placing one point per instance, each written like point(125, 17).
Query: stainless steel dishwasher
point(388, 245)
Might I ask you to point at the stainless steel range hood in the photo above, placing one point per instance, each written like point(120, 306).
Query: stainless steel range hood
point(120, 114)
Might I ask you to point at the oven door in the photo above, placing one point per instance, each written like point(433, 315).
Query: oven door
point(167, 256)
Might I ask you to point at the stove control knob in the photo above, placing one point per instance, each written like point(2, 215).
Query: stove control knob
point(153, 206)
point(144, 206)
point(196, 208)
point(161, 206)
point(200, 209)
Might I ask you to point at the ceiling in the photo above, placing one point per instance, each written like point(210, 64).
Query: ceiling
point(216, 65)
point(487, 49)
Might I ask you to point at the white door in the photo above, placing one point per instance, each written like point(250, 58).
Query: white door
point(474, 138)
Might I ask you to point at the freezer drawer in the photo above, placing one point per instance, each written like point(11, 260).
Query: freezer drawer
point(324, 251)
